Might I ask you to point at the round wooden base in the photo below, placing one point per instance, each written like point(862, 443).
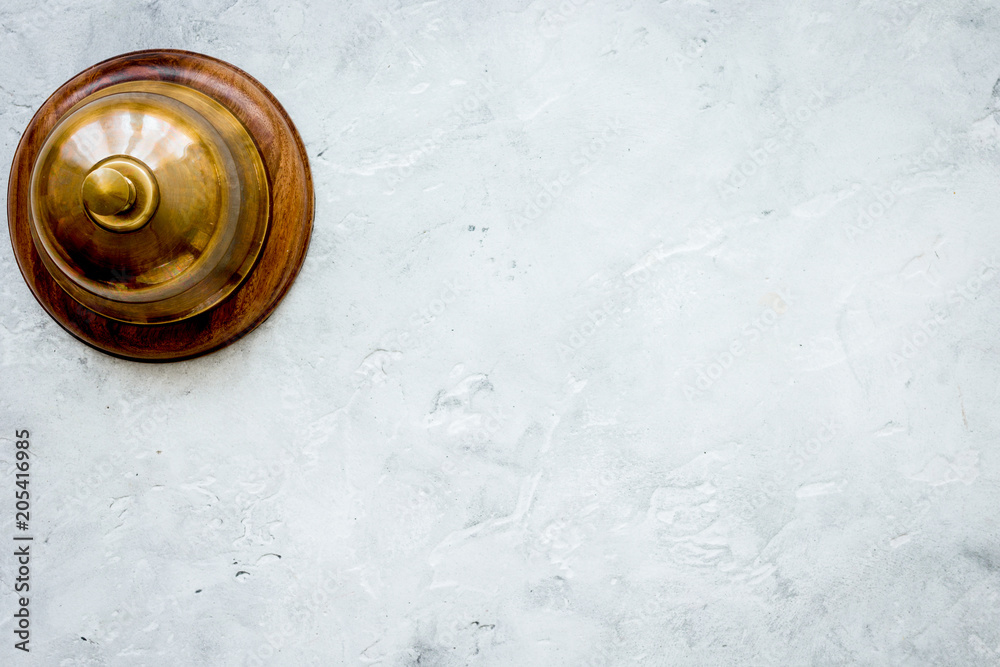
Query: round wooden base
point(292, 207)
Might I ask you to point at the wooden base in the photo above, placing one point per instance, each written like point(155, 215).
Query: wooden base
point(292, 208)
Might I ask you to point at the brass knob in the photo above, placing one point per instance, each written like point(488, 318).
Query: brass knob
point(120, 194)
point(107, 192)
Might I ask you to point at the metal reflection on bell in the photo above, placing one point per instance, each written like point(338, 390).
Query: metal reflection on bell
point(149, 202)
point(146, 187)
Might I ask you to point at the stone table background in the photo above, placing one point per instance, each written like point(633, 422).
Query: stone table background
point(631, 332)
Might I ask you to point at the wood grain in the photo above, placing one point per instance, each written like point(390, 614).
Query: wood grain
point(292, 209)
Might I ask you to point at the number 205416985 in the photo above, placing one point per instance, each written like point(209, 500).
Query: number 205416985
point(23, 465)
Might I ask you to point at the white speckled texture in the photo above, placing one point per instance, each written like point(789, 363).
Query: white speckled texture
point(631, 332)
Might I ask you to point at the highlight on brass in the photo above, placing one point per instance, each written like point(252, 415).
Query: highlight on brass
point(149, 201)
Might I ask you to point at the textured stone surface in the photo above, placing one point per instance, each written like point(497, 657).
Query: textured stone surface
point(631, 332)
